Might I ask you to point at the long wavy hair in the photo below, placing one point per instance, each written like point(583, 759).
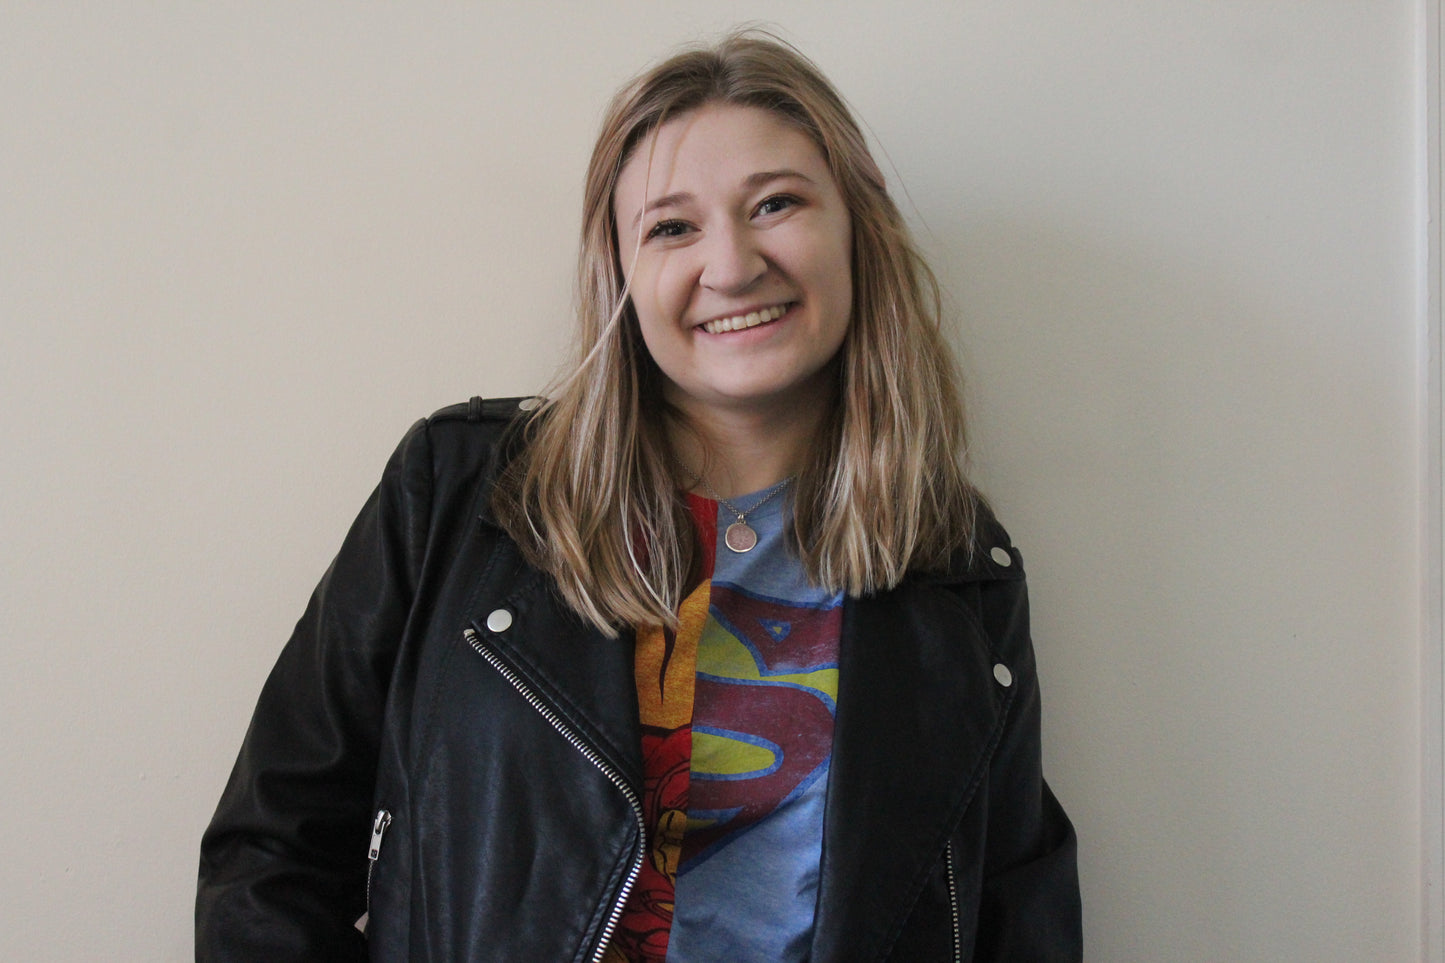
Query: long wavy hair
point(592, 494)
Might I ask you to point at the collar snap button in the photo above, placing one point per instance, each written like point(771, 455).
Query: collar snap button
point(499, 621)
point(1000, 556)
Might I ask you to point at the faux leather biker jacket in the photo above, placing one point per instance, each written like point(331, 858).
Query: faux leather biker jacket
point(446, 749)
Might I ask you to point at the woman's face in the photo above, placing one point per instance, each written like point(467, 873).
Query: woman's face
point(742, 280)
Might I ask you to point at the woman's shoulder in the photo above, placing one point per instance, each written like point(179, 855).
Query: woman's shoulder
point(993, 550)
point(988, 555)
point(460, 445)
point(482, 413)
point(472, 429)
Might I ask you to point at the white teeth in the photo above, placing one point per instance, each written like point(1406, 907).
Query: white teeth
point(751, 320)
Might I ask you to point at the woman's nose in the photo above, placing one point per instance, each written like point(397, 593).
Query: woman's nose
point(732, 261)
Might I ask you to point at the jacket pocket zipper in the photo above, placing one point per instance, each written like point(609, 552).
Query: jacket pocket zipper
point(592, 756)
point(953, 901)
point(378, 830)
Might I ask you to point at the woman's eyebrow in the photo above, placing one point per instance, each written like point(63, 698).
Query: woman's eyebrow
point(666, 200)
point(766, 177)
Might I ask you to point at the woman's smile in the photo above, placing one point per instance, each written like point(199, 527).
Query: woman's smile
point(739, 322)
point(737, 246)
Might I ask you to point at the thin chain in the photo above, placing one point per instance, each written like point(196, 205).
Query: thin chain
point(742, 515)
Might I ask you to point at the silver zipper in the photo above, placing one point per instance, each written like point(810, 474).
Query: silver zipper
point(378, 830)
point(953, 901)
point(592, 756)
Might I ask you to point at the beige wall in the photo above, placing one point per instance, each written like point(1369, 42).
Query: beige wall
point(243, 245)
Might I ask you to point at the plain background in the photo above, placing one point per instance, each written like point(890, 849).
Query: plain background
point(244, 245)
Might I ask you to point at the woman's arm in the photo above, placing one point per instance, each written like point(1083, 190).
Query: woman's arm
point(284, 860)
point(1029, 906)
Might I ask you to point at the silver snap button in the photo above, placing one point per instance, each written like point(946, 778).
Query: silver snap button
point(1000, 556)
point(527, 404)
point(1002, 675)
point(500, 620)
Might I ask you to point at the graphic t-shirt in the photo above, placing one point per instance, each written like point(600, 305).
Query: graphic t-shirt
point(737, 712)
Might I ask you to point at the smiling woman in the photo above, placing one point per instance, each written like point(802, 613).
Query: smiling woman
point(739, 273)
point(713, 654)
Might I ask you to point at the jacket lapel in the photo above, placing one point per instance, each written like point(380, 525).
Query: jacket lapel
point(918, 718)
point(585, 677)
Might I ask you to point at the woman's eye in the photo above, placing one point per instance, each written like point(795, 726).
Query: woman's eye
point(776, 203)
point(667, 229)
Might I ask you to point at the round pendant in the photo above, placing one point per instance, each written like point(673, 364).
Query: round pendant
point(740, 537)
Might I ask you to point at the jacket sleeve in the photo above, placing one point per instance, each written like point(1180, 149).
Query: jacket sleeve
point(1029, 907)
point(283, 866)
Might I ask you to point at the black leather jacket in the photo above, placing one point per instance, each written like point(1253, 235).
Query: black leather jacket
point(444, 744)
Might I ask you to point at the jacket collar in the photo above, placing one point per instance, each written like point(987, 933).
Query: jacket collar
point(918, 719)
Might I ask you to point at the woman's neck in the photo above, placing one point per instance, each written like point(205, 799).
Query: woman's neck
point(741, 451)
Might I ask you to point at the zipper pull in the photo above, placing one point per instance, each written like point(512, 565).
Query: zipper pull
point(378, 830)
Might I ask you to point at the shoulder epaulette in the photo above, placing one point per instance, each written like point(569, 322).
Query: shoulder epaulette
point(487, 409)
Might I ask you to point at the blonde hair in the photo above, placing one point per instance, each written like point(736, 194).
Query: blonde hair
point(591, 496)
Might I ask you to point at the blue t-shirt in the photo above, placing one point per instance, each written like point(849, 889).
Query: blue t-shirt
point(762, 732)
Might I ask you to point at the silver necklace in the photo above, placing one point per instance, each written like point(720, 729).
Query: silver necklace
point(740, 537)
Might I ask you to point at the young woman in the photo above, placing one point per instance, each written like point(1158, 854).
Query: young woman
point(712, 655)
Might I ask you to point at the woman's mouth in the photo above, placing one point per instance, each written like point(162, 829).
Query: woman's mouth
point(750, 320)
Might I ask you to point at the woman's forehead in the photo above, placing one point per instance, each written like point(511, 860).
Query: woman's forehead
point(716, 147)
